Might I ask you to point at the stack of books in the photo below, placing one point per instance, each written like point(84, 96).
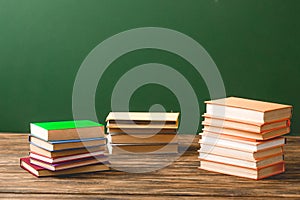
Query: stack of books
point(142, 133)
point(242, 137)
point(66, 147)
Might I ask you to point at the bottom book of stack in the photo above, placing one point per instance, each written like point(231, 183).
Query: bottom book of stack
point(241, 157)
point(42, 172)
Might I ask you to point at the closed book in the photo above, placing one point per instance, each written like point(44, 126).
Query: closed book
point(248, 110)
point(67, 144)
point(241, 171)
point(67, 130)
point(242, 163)
point(143, 148)
point(140, 125)
point(246, 134)
point(65, 158)
point(113, 131)
point(42, 172)
point(142, 118)
point(244, 125)
point(67, 152)
point(239, 154)
point(238, 143)
point(141, 138)
point(69, 164)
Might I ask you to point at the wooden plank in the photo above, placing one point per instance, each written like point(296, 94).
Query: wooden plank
point(181, 178)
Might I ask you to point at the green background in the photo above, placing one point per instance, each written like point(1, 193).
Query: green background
point(255, 44)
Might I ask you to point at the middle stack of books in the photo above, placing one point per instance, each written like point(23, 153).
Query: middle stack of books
point(60, 146)
point(142, 132)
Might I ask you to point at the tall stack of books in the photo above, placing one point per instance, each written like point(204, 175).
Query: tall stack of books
point(242, 137)
point(142, 132)
point(66, 147)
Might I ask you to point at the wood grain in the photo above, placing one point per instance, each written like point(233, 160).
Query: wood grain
point(180, 179)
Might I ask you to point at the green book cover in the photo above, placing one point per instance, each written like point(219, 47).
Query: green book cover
point(67, 124)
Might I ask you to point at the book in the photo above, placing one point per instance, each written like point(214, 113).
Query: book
point(139, 131)
point(141, 138)
point(145, 117)
point(244, 125)
point(243, 172)
point(240, 154)
point(242, 163)
point(248, 110)
point(68, 152)
point(42, 172)
point(67, 130)
point(67, 144)
point(141, 125)
point(237, 143)
point(143, 149)
point(246, 134)
point(64, 158)
point(69, 164)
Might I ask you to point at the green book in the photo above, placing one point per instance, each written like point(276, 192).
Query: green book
point(67, 130)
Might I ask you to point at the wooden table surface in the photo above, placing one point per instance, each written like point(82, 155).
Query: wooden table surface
point(182, 179)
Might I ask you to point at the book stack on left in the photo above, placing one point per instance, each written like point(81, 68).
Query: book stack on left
point(66, 147)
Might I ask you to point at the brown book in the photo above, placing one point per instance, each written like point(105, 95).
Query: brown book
point(246, 134)
point(244, 125)
point(54, 154)
point(241, 171)
point(42, 172)
point(248, 110)
point(144, 149)
point(142, 138)
point(141, 126)
point(239, 154)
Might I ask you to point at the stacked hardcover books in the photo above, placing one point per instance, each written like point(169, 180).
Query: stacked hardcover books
point(67, 147)
point(242, 137)
point(142, 133)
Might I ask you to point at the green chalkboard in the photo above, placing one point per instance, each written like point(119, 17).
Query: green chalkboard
point(254, 43)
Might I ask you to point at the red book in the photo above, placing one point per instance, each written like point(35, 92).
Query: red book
point(41, 172)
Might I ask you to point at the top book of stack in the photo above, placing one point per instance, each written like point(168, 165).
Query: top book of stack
point(245, 110)
point(142, 122)
point(67, 130)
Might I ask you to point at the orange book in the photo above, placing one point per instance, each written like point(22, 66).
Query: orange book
point(241, 171)
point(248, 110)
point(244, 125)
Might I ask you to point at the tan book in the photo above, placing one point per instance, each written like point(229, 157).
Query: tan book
point(143, 117)
point(143, 149)
point(248, 110)
point(134, 125)
point(139, 131)
point(243, 172)
point(247, 134)
point(142, 138)
point(74, 144)
point(41, 172)
point(239, 154)
point(54, 154)
point(239, 143)
point(244, 125)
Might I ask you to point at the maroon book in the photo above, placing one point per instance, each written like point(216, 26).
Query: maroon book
point(42, 172)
